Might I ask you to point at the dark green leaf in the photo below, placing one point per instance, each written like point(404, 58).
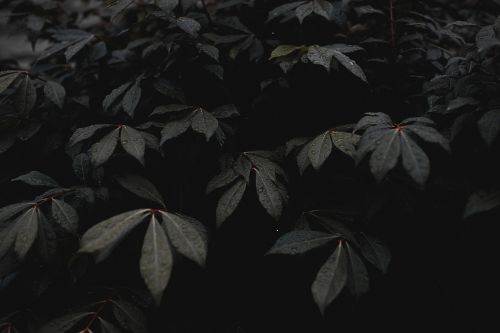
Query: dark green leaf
point(489, 126)
point(104, 236)
point(203, 122)
point(174, 129)
point(85, 132)
point(224, 178)
point(188, 25)
point(101, 151)
point(141, 187)
point(415, 161)
point(300, 241)
point(303, 11)
point(11, 210)
point(331, 279)
point(229, 201)
point(7, 78)
point(319, 150)
point(156, 260)
point(482, 201)
point(386, 155)
point(64, 324)
point(358, 281)
point(65, 215)
point(133, 143)
point(55, 93)
point(129, 316)
point(269, 195)
point(25, 96)
point(375, 252)
point(131, 99)
point(26, 232)
point(36, 178)
point(187, 235)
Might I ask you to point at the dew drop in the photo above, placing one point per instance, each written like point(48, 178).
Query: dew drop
point(124, 142)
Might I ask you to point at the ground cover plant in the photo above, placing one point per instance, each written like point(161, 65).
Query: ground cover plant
point(249, 165)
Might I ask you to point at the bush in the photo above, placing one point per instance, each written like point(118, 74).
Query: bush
point(248, 166)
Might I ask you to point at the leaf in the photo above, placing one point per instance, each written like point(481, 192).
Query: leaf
point(320, 149)
point(345, 142)
point(73, 50)
point(156, 260)
point(133, 143)
point(375, 252)
point(65, 323)
point(187, 235)
point(119, 7)
point(428, 134)
point(167, 5)
point(104, 236)
point(110, 99)
point(269, 195)
point(283, 9)
point(55, 93)
point(229, 201)
point(101, 151)
point(26, 233)
point(36, 178)
point(482, 201)
point(301, 241)
point(320, 56)
point(203, 122)
point(129, 316)
point(209, 50)
point(358, 281)
point(131, 99)
point(489, 126)
point(322, 8)
point(141, 187)
point(65, 215)
point(284, 50)
point(349, 64)
point(46, 241)
point(225, 111)
point(188, 25)
point(386, 155)
point(107, 327)
point(303, 11)
point(303, 160)
point(85, 133)
point(415, 161)
point(25, 96)
point(82, 166)
point(7, 78)
point(222, 179)
point(174, 129)
point(11, 210)
point(331, 279)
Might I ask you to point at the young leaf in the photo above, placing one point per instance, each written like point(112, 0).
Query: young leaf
point(331, 278)
point(300, 241)
point(141, 187)
point(104, 236)
point(133, 143)
point(203, 122)
point(65, 215)
point(36, 178)
point(156, 260)
point(187, 235)
point(55, 93)
point(229, 201)
point(27, 232)
point(375, 252)
point(101, 151)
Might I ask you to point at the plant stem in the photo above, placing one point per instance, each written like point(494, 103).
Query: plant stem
point(392, 24)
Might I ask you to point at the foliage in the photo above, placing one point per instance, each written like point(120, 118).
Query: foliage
point(193, 166)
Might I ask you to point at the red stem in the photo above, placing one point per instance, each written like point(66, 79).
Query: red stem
point(94, 317)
